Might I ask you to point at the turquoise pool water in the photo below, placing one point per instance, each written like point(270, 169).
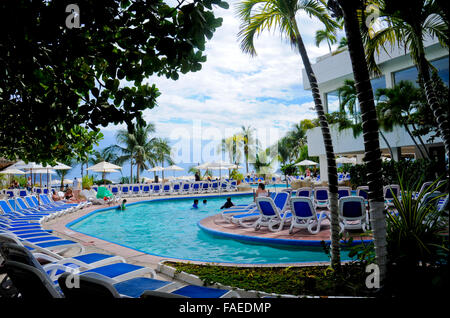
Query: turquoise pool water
point(168, 228)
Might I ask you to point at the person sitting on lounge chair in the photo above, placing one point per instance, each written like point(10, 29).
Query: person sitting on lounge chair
point(261, 191)
point(55, 196)
point(69, 196)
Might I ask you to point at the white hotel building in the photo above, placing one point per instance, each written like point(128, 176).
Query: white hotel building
point(333, 69)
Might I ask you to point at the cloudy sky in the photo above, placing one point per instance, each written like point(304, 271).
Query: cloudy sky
point(234, 89)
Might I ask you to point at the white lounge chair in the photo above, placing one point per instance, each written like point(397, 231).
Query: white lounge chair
point(270, 215)
point(353, 214)
point(304, 215)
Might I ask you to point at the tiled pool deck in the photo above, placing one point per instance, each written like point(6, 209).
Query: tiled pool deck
point(214, 224)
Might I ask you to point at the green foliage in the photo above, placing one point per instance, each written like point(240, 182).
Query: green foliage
point(102, 181)
point(422, 113)
point(417, 238)
point(308, 280)
point(59, 85)
point(416, 170)
point(236, 175)
point(289, 169)
point(415, 231)
point(87, 182)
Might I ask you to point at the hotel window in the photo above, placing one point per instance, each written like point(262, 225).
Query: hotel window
point(442, 67)
point(379, 82)
point(333, 101)
point(410, 74)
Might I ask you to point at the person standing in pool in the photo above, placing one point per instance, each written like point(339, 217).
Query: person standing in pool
point(122, 205)
point(227, 204)
point(195, 205)
point(204, 202)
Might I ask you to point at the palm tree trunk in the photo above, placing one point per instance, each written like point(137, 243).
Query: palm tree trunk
point(387, 144)
point(438, 112)
point(137, 171)
point(370, 132)
point(422, 142)
point(414, 141)
point(131, 171)
point(331, 161)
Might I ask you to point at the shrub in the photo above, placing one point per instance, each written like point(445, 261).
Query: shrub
point(417, 170)
point(87, 182)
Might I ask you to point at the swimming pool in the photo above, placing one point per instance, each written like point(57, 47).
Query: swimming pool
point(168, 228)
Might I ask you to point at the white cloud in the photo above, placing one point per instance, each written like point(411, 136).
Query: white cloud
point(234, 89)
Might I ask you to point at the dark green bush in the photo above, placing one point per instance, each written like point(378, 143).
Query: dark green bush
point(415, 171)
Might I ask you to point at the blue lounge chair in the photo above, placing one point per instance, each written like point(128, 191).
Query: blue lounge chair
point(136, 190)
point(304, 215)
point(304, 192)
point(321, 199)
point(176, 187)
point(166, 189)
point(270, 215)
point(117, 272)
point(389, 192)
point(363, 191)
point(185, 188)
point(281, 202)
point(28, 275)
point(94, 285)
point(52, 245)
point(12, 209)
point(344, 192)
point(353, 214)
point(156, 189)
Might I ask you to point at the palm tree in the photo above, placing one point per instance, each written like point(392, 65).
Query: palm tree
point(395, 109)
point(348, 10)
point(161, 152)
point(325, 35)
point(408, 26)
point(250, 144)
point(102, 155)
point(62, 173)
point(348, 97)
point(137, 147)
point(232, 145)
point(258, 15)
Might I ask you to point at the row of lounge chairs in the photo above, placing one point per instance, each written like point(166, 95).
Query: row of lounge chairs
point(33, 259)
point(197, 187)
point(280, 208)
point(304, 208)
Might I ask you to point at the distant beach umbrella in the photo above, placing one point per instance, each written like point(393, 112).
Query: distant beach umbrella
point(346, 160)
point(306, 163)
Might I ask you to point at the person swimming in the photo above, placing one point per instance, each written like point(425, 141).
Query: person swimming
point(195, 205)
point(204, 202)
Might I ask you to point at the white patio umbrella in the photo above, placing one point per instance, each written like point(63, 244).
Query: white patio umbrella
point(46, 170)
point(11, 171)
point(173, 168)
point(104, 167)
point(27, 166)
point(217, 165)
point(306, 163)
point(156, 169)
point(66, 181)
